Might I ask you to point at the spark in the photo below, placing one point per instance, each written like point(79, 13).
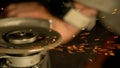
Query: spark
point(74, 36)
point(53, 40)
point(106, 54)
point(111, 53)
point(115, 11)
point(97, 39)
point(115, 37)
point(91, 60)
point(103, 17)
point(83, 29)
point(2, 8)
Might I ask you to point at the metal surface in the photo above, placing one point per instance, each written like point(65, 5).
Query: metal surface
point(46, 38)
point(25, 61)
point(21, 37)
point(111, 21)
point(106, 6)
point(109, 12)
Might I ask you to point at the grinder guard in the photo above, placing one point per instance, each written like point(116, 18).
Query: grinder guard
point(26, 39)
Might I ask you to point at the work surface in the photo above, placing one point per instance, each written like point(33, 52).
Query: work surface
point(72, 55)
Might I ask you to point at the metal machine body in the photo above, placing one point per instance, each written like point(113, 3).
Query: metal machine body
point(24, 42)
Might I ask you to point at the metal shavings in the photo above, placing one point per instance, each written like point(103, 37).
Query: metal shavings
point(117, 46)
point(102, 50)
point(111, 53)
point(115, 11)
point(2, 8)
point(106, 54)
point(96, 47)
point(115, 37)
point(83, 37)
point(74, 47)
point(47, 37)
point(82, 28)
point(74, 36)
point(39, 37)
point(103, 17)
point(59, 49)
point(53, 40)
point(30, 30)
point(71, 52)
point(111, 47)
point(69, 48)
point(110, 42)
point(81, 50)
point(87, 33)
point(97, 39)
point(82, 46)
point(95, 51)
point(109, 28)
point(91, 60)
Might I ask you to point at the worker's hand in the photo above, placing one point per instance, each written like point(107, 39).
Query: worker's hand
point(86, 10)
point(35, 10)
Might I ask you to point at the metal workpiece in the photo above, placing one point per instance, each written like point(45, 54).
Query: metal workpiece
point(111, 21)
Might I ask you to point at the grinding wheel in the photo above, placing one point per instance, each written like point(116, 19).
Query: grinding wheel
point(26, 36)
